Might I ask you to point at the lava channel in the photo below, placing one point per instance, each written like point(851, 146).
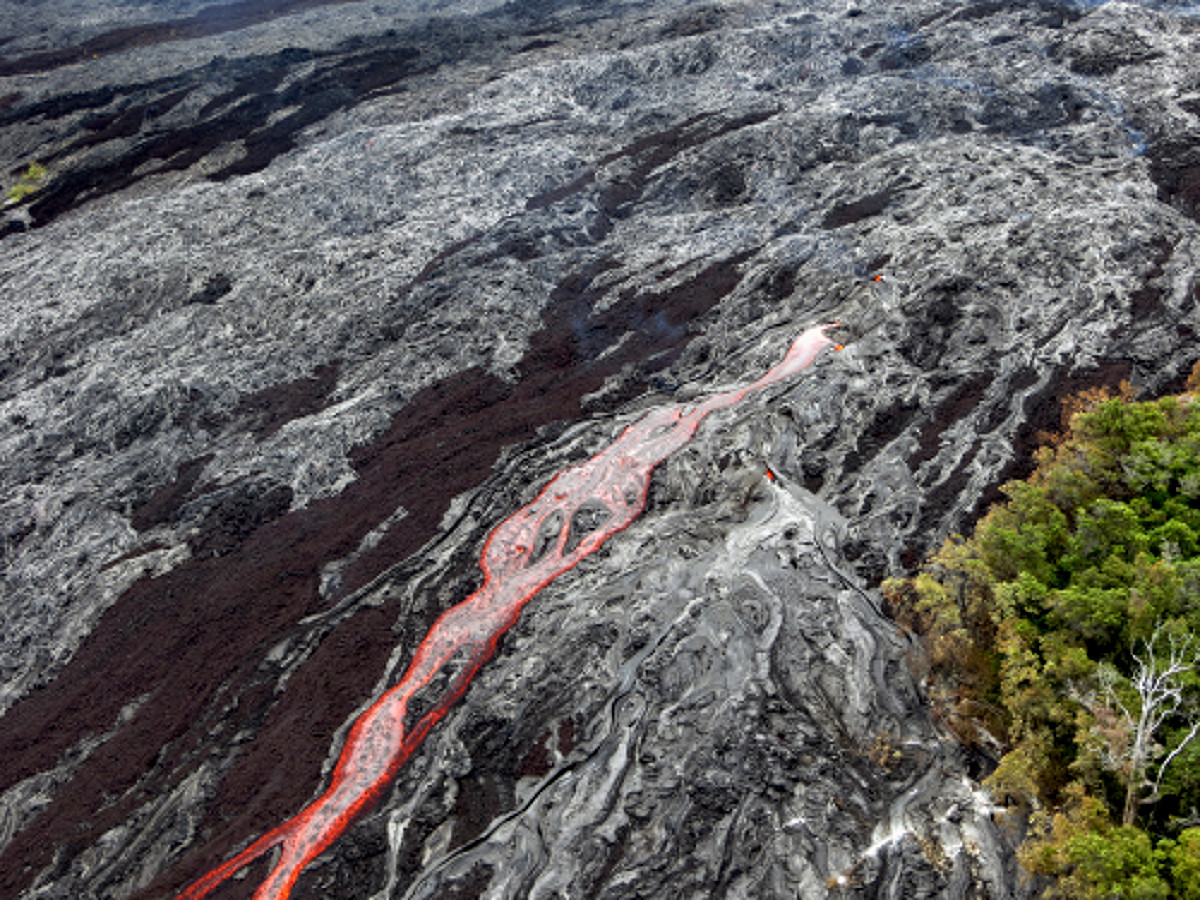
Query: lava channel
point(608, 492)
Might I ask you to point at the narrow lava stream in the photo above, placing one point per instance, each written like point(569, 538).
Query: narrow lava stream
point(574, 514)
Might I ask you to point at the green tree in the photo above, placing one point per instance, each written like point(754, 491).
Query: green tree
point(1184, 860)
point(1061, 639)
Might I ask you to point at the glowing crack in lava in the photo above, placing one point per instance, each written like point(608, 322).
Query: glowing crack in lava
point(574, 514)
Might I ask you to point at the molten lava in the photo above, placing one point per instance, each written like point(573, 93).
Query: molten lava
point(574, 514)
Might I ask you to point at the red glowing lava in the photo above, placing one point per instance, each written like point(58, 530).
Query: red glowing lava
point(574, 514)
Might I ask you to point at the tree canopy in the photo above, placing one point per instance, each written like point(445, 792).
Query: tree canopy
point(1062, 639)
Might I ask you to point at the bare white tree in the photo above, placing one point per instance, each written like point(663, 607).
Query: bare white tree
point(1128, 738)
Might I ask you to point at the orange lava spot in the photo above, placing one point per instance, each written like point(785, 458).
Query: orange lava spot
point(381, 740)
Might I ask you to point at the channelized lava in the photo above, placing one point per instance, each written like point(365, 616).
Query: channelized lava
point(571, 518)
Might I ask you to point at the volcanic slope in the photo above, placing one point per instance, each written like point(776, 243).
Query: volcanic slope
point(302, 300)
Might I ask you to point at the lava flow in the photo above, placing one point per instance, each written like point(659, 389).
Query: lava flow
point(574, 514)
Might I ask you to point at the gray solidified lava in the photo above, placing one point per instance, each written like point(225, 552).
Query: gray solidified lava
point(312, 295)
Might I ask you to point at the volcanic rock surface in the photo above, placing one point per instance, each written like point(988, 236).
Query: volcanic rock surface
point(313, 294)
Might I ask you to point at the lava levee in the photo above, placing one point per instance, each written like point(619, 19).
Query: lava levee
point(574, 514)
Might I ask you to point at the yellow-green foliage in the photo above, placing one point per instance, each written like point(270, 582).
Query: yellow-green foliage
point(1086, 856)
point(1184, 855)
point(1031, 631)
point(28, 184)
point(20, 191)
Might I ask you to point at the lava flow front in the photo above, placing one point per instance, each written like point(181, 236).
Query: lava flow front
point(574, 514)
